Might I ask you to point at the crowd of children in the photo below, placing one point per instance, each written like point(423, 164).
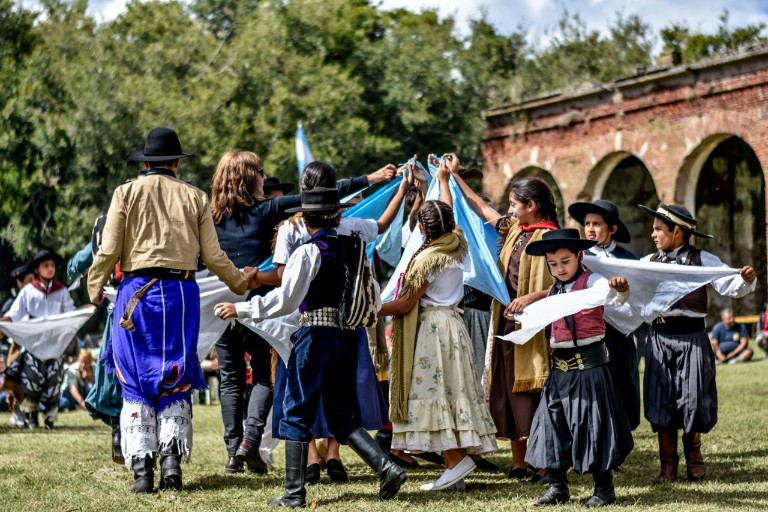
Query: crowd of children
point(568, 398)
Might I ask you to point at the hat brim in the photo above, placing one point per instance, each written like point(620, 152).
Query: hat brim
point(541, 247)
point(283, 187)
point(578, 211)
point(320, 209)
point(139, 156)
point(653, 213)
point(52, 256)
point(472, 173)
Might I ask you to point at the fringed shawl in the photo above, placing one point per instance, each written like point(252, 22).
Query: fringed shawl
point(531, 359)
point(445, 251)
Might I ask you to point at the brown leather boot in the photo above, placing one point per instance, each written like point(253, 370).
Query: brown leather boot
point(694, 460)
point(668, 456)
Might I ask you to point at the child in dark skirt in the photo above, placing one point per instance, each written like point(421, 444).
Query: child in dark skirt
point(580, 422)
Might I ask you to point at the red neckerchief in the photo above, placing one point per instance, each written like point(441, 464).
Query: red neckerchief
point(547, 224)
point(55, 285)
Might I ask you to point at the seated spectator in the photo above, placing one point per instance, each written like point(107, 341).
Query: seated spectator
point(77, 381)
point(729, 340)
point(762, 330)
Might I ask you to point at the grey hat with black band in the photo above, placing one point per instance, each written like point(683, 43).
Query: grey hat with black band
point(677, 214)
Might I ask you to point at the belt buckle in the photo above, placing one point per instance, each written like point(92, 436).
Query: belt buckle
point(174, 271)
point(563, 365)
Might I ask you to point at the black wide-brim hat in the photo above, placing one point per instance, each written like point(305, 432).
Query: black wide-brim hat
point(551, 241)
point(319, 200)
point(473, 173)
point(676, 214)
point(607, 210)
point(15, 274)
point(273, 183)
point(162, 144)
point(42, 256)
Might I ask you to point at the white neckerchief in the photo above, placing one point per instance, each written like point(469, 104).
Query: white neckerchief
point(604, 251)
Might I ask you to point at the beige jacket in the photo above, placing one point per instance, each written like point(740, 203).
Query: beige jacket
point(160, 221)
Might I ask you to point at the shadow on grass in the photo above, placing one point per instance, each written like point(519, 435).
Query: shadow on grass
point(213, 482)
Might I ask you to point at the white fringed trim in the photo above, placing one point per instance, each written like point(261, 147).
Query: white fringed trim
point(174, 428)
point(139, 431)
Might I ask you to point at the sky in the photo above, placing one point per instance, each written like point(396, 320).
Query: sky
point(539, 17)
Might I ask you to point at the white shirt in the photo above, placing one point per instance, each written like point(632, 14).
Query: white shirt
point(603, 252)
point(615, 298)
point(290, 237)
point(729, 286)
point(33, 303)
point(447, 287)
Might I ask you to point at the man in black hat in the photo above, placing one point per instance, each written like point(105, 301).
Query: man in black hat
point(323, 362)
point(602, 225)
point(679, 387)
point(273, 188)
point(157, 226)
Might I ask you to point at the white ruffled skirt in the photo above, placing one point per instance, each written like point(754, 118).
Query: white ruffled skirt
point(446, 405)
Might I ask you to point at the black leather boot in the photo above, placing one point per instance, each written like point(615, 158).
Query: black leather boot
point(248, 454)
point(391, 476)
point(33, 419)
point(384, 440)
point(143, 474)
point(170, 468)
point(117, 449)
point(295, 496)
point(558, 489)
point(604, 493)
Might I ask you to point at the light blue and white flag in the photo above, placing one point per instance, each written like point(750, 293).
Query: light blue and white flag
point(303, 153)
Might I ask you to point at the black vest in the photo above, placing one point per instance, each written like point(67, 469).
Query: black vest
point(697, 299)
point(326, 288)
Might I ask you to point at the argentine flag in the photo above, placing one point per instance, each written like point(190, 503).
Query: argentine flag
point(303, 153)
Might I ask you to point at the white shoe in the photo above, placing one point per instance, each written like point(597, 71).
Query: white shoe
point(452, 476)
point(17, 418)
point(266, 456)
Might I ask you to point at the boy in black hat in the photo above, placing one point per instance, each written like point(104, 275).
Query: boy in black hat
point(274, 188)
point(679, 388)
point(602, 224)
point(323, 361)
point(40, 380)
point(579, 422)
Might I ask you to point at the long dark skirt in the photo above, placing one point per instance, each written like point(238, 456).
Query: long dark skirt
point(624, 372)
point(579, 423)
point(679, 388)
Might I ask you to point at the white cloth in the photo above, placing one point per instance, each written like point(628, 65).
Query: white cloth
point(447, 287)
point(538, 315)
point(31, 302)
point(732, 285)
point(138, 425)
point(47, 337)
point(290, 237)
point(654, 288)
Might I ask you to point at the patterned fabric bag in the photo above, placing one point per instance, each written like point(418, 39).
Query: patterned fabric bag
point(358, 300)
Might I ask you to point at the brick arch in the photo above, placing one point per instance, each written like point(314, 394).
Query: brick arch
point(533, 171)
point(690, 169)
point(600, 173)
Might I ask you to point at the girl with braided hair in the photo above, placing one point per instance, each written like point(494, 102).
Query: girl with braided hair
point(436, 402)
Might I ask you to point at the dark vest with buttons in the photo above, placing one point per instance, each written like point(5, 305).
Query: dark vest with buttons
point(325, 289)
point(697, 299)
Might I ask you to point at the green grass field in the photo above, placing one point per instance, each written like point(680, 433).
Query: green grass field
point(69, 469)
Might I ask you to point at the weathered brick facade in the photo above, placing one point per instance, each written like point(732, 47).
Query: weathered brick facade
point(670, 119)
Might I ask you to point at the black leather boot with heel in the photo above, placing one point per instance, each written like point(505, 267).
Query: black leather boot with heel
point(391, 476)
point(296, 453)
point(143, 474)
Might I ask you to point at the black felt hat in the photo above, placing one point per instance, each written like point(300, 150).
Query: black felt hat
point(551, 241)
point(607, 210)
point(676, 214)
point(319, 200)
point(16, 273)
point(273, 183)
point(162, 144)
point(44, 255)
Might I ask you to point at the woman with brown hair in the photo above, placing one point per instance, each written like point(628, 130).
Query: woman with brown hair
point(515, 374)
point(245, 224)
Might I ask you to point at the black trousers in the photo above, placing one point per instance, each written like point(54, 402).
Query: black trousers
point(231, 349)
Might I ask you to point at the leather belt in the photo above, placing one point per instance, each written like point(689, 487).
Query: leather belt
point(162, 273)
point(323, 317)
point(579, 358)
point(678, 324)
